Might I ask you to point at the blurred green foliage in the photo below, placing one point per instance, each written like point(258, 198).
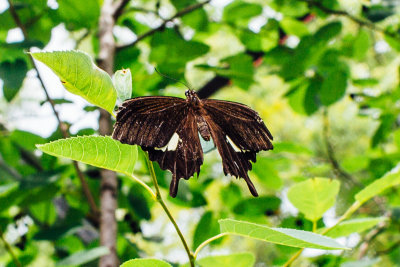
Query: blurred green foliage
point(324, 76)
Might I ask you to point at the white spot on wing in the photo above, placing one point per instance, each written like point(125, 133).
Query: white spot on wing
point(172, 144)
point(235, 147)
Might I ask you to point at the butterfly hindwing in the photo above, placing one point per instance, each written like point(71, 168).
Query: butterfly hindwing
point(182, 155)
point(235, 163)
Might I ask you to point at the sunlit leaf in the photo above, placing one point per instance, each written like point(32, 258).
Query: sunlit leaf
point(353, 226)
point(82, 257)
point(81, 76)
point(145, 263)
point(281, 236)
point(206, 228)
point(99, 151)
point(314, 196)
point(392, 178)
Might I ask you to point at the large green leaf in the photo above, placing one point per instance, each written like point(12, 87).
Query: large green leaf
point(314, 196)
point(145, 263)
point(82, 257)
point(81, 76)
point(99, 151)
point(353, 226)
point(281, 236)
point(244, 259)
point(392, 178)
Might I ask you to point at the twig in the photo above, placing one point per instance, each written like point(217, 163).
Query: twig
point(119, 8)
point(369, 237)
point(360, 21)
point(165, 208)
point(9, 249)
point(61, 125)
point(205, 243)
point(180, 13)
point(331, 154)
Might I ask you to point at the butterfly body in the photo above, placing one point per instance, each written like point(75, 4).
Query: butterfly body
point(168, 129)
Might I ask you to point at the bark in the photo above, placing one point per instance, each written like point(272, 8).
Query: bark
point(108, 194)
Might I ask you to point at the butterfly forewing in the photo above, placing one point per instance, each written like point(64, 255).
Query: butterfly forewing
point(149, 121)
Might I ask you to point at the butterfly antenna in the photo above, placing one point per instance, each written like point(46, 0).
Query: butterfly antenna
point(168, 77)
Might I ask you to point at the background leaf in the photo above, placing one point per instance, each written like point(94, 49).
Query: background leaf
point(314, 196)
point(83, 257)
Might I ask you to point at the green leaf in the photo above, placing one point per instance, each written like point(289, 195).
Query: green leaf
point(244, 259)
point(294, 27)
point(390, 179)
point(84, 256)
point(26, 140)
point(99, 151)
point(264, 205)
point(281, 236)
point(12, 74)
point(314, 196)
point(353, 226)
point(81, 76)
point(205, 229)
point(145, 263)
point(361, 45)
point(239, 10)
point(76, 16)
point(171, 52)
point(123, 84)
point(333, 87)
point(267, 173)
point(291, 148)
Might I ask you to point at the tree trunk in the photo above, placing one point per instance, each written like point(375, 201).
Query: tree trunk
point(108, 194)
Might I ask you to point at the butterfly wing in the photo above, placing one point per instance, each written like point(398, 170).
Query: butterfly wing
point(166, 128)
point(184, 156)
point(149, 121)
point(239, 133)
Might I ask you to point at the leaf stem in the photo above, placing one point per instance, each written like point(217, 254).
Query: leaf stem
point(314, 226)
point(9, 249)
point(160, 200)
point(293, 258)
point(134, 178)
point(205, 243)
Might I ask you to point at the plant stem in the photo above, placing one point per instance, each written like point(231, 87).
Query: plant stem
point(314, 226)
point(165, 208)
point(9, 249)
point(143, 184)
point(293, 258)
point(205, 243)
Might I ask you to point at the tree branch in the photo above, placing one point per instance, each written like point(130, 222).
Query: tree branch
point(119, 7)
point(61, 125)
point(340, 173)
point(9, 250)
point(360, 21)
point(179, 14)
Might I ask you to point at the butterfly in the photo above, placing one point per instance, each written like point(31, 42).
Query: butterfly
point(170, 128)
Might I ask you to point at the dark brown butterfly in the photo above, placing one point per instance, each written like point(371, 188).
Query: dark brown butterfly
point(170, 128)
